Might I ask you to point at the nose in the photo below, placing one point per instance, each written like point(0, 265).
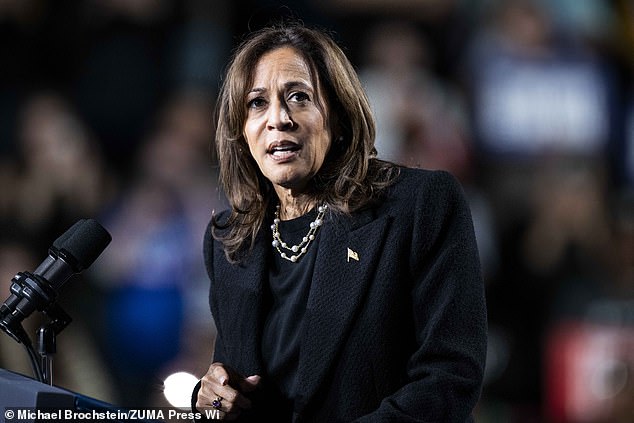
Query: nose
point(279, 117)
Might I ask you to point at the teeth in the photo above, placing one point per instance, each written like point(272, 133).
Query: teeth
point(281, 152)
point(284, 148)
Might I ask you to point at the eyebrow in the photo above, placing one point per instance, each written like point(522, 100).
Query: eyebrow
point(287, 85)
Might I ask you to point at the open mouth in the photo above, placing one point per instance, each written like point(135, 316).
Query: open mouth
point(283, 149)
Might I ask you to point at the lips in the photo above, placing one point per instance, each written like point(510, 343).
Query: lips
point(283, 150)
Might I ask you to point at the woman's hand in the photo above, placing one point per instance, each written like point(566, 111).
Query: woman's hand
point(223, 389)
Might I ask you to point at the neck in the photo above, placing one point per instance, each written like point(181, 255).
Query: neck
point(293, 205)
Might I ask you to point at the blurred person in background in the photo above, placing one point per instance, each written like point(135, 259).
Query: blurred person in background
point(343, 287)
point(541, 103)
point(589, 341)
point(534, 92)
point(421, 120)
point(120, 71)
point(115, 59)
point(153, 279)
point(624, 153)
point(59, 175)
point(142, 282)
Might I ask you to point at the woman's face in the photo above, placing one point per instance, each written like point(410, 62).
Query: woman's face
point(286, 129)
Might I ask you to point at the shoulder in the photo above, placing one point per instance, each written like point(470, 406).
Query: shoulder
point(409, 175)
point(425, 201)
point(217, 224)
point(222, 216)
point(422, 185)
point(217, 220)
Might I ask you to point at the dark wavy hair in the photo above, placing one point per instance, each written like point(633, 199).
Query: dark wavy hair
point(351, 176)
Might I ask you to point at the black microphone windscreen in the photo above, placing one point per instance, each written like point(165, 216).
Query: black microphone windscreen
point(84, 242)
point(61, 240)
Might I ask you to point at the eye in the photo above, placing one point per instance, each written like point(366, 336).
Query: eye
point(298, 97)
point(256, 103)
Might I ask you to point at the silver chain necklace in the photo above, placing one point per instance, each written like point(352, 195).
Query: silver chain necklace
point(301, 248)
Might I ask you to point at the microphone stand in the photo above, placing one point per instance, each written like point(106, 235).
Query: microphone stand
point(30, 293)
point(75, 250)
point(47, 341)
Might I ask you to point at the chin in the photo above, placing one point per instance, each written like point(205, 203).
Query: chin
point(290, 177)
point(291, 182)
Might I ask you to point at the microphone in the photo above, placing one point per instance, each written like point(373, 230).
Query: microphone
point(75, 250)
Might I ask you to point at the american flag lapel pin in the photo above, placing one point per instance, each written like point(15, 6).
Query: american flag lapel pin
point(352, 255)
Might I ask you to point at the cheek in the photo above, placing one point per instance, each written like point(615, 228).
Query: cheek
point(250, 135)
point(322, 140)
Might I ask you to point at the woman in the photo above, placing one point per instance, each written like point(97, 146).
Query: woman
point(343, 288)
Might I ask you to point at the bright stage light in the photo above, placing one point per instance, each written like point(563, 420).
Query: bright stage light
point(178, 389)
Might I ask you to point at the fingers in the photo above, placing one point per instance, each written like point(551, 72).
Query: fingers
point(222, 388)
point(250, 383)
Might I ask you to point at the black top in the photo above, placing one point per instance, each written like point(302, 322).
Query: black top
point(289, 285)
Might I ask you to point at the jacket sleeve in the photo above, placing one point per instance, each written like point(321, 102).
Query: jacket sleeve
point(444, 374)
point(208, 254)
point(209, 246)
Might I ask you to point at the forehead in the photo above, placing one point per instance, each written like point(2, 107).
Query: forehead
point(281, 63)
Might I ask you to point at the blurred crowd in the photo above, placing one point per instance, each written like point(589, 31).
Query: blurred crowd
point(106, 111)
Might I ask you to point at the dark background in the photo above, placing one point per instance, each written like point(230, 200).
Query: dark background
point(106, 111)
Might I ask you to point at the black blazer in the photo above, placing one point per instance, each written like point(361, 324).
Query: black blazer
point(398, 335)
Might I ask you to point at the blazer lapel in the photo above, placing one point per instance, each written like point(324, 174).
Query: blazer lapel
point(349, 249)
